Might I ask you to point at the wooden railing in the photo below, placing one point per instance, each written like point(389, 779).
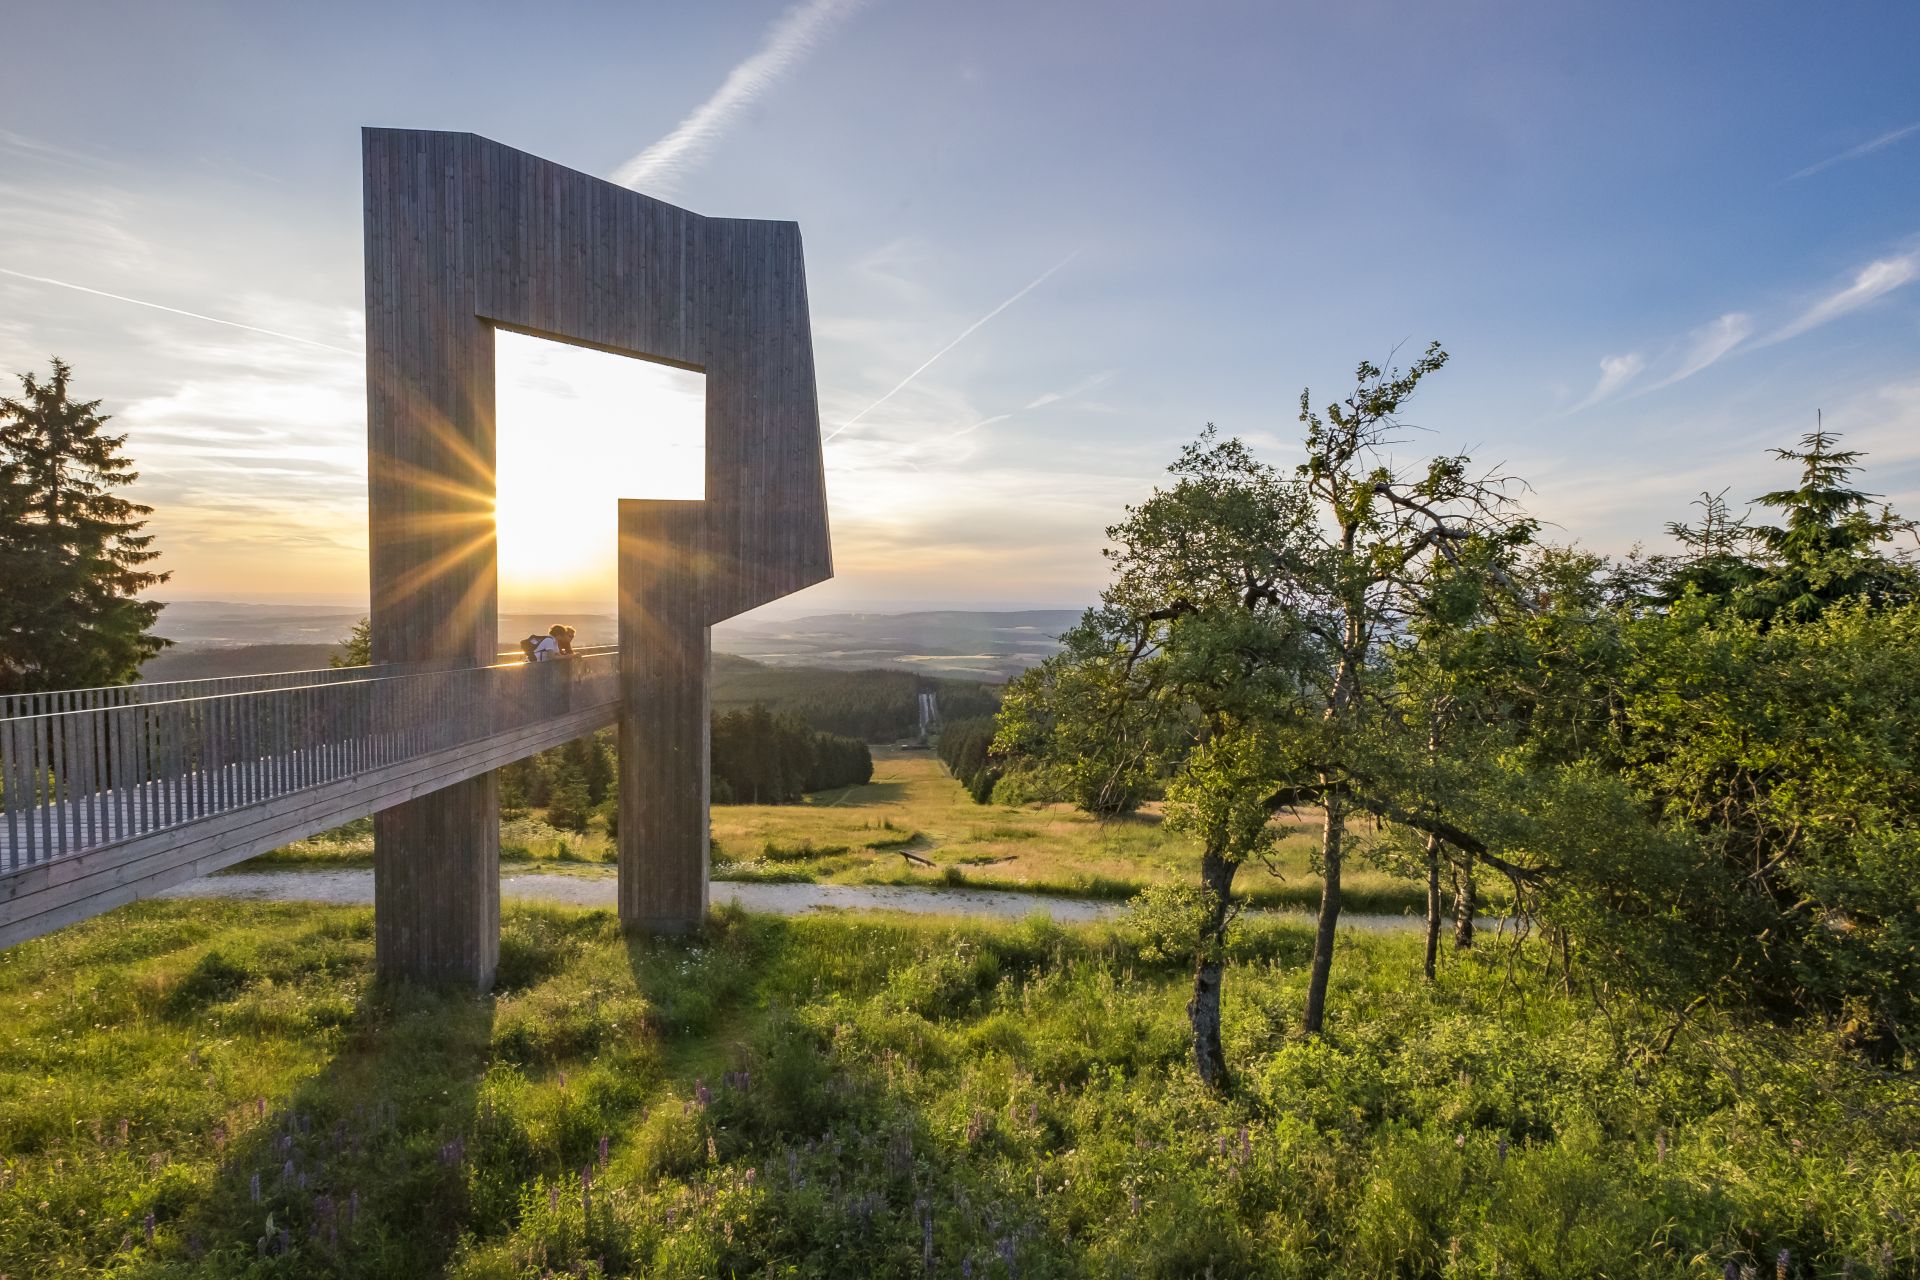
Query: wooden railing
point(73, 781)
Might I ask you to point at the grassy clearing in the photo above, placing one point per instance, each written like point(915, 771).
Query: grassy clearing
point(218, 1089)
point(856, 835)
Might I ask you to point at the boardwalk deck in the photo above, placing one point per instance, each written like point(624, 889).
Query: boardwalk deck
point(108, 803)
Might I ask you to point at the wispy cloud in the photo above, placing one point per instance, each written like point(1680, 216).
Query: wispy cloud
point(1867, 148)
point(965, 333)
point(192, 315)
point(1079, 388)
point(1709, 343)
point(1874, 280)
point(1615, 373)
point(788, 41)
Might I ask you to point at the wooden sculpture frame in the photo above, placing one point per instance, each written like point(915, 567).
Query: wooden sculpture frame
point(465, 236)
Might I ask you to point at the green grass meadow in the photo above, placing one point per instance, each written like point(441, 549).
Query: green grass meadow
point(220, 1089)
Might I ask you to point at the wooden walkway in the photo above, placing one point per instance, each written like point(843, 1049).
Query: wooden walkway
point(110, 795)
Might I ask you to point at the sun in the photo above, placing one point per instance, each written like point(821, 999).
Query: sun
point(578, 430)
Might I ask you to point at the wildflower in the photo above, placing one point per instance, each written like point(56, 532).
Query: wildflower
point(254, 1186)
point(751, 1175)
point(603, 1151)
point(1502, 1147)
point(1781, 1265)
point(149, 1228)
point(553, 1198)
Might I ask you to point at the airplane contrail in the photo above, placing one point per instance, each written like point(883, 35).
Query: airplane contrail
point(787, 44)
point(965, 333)
point(194, 315)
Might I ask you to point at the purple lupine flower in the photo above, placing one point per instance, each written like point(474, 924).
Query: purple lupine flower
point(553, 1198)
point(603, 1151)
point(1782, 1265)
point(149, 1228)
point(124, 1125)
point(254, 1186)
point(1502, 1148)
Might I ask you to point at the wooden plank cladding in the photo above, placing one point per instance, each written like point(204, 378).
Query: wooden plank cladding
point(464, 235)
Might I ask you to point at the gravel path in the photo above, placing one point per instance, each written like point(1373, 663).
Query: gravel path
point(355, 887)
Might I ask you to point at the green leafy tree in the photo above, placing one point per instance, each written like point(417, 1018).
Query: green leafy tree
point(71, 547)
point(1258, 608)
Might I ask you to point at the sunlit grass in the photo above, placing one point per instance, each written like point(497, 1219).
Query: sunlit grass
point(912, 804)
point(220, 1089)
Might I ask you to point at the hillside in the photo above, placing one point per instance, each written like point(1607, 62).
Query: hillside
point(203, 662)
point(960, 643)
point(874, 704)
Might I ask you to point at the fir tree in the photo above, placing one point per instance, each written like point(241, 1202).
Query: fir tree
point(71, 548)
point(1828, 547)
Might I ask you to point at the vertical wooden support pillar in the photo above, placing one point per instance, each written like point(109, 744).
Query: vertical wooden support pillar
point(665, 669)
point(430, 455)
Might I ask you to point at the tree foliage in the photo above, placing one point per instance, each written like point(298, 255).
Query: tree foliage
point(760, 757)
point(73, 557)
point(1696, 770)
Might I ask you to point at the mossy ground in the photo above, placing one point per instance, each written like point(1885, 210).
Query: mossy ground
point(855, 835)
point(220, 1089)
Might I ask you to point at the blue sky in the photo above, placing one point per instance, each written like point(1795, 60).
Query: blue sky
point(1656, 237)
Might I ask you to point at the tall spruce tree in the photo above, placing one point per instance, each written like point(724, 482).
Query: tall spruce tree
point(71, 549)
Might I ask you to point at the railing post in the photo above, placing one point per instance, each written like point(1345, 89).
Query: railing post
point(665, 664)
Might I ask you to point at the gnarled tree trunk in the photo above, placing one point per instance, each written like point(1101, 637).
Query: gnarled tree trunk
point(1323, 938)
point(1203, 1010)
point(1433, 903)
point(1464, 904)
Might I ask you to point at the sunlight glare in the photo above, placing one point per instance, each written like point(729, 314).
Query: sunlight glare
point(577, 431)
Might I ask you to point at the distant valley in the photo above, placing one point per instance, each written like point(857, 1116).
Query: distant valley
point(221, 638)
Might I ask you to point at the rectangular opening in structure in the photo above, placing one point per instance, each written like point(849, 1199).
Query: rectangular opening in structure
point(578, 430)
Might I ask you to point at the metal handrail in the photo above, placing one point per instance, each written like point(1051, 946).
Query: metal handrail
point(119, 695)
point(76, 780)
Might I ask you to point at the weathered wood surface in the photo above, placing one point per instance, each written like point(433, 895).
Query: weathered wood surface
point(463, 235)
point(665, 716)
